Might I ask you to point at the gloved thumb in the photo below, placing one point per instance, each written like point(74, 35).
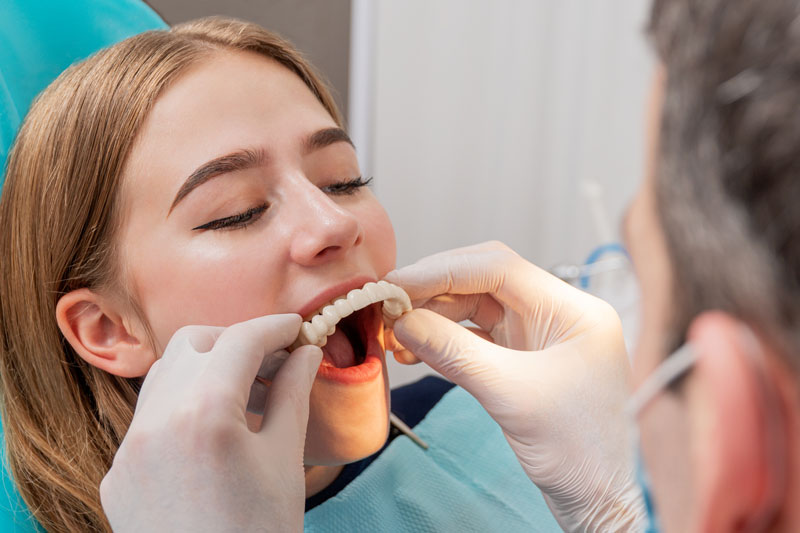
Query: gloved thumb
point(286, 413)
point(452, 350)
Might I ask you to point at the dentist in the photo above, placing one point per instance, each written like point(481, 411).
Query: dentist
point(714, 234)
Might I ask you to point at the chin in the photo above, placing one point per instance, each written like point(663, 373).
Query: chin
point(346, 425)
point(349, 418)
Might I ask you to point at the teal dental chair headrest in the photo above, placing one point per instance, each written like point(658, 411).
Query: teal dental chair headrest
point(41, 38)
point(38, 40)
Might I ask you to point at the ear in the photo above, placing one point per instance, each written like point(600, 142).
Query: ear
point(728, 413)
point(100, 335)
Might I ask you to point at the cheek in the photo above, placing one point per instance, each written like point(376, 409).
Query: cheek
point(209, 281)
point(379, 238)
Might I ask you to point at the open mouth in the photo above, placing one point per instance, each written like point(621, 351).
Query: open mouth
point(354, 352)
point(322, 324)
point(348, 345)
point(349, 330)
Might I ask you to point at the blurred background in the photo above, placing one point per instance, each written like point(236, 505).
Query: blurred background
point(516, 120)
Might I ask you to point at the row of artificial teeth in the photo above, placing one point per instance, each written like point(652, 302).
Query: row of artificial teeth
point(316, 331)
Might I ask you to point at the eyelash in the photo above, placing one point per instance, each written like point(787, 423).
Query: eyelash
point(240, 220)
point(245, 218)
point(346, 187)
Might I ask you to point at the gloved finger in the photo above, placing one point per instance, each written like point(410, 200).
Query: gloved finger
point(191, 341)
point(490, 268)
point(401, 355)
point(450, 349)
point(286, 414)
point(149, 382)
point(404, 357)
point(240, 350)
point(435, 274)
point(198, 338)
point(481, 309)
point(446, 255)
point(390, 342)
point(480, 332)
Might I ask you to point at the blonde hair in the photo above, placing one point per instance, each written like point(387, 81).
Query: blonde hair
point(63, 418)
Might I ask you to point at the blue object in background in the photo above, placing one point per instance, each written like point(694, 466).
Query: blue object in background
point(598, 253)
point(39, 39)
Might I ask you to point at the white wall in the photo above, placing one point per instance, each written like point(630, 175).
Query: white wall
point(484, 118)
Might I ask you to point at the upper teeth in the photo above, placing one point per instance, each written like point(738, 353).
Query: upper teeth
point(316, 331)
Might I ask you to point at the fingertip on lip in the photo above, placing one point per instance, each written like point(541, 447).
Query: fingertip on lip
point(404, 357)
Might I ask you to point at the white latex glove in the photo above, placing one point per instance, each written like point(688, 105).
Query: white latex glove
point(555, 379)
point(189, 461)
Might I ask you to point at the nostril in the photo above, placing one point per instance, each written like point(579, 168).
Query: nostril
point(328, 251)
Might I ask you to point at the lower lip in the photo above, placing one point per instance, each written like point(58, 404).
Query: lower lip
point(366, 371)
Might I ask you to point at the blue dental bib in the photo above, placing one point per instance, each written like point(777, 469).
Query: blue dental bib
point(468, 480)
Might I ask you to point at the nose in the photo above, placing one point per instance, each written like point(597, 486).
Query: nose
point(324, 229)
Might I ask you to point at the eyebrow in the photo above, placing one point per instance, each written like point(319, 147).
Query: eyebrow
point(326, 137)
point(251, 158)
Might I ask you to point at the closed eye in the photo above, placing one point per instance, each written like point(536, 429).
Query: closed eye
point(237, 221)
point(346, 187)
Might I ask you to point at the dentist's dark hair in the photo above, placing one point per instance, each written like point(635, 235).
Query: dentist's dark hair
point(728, 164)
point(60, 213)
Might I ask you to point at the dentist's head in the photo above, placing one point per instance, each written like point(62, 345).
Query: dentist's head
point(715, 236)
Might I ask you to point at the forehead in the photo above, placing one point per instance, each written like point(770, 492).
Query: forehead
point(228, 101)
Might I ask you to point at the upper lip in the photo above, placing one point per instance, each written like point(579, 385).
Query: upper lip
point(325, 296)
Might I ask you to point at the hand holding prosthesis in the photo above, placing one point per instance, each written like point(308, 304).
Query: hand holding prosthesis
point(548, 363)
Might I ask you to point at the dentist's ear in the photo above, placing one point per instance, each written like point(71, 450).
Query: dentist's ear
point(729, 411)
point(100, 335)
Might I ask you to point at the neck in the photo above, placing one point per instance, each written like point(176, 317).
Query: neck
point(319, 477)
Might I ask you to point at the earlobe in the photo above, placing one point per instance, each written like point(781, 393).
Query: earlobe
point(95, 329)
point(728, 415)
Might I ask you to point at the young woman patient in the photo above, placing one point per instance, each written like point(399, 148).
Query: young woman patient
point(196, 176)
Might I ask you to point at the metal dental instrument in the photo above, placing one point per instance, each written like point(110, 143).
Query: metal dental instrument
point(407, 431)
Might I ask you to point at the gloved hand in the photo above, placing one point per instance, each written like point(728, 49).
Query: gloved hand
point(189, 461)
point(555, 378)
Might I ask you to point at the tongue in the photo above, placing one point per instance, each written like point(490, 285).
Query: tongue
point(338, 351)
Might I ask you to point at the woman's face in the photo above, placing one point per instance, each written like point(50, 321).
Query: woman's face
point(279, 225)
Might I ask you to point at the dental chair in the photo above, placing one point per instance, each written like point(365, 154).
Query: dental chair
point(38, 40)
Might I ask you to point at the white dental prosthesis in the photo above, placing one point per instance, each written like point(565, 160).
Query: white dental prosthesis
point(316, 331)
